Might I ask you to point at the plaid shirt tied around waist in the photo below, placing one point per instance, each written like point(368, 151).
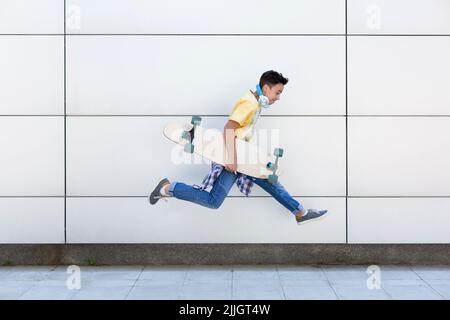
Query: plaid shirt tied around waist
point(243, 182)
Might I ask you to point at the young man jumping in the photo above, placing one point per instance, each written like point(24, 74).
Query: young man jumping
point(240, 125)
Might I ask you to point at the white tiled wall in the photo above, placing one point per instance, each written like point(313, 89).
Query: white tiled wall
point(365, 115)
point(399, 108)
point(122, 156)
point(398, 220)
point(32, 220)
point(148, 74)
point(32, 156)
point(398, 17)
point(238, 220)
point(32, 75)
point(399, 156)
point(412, 72)
point(31, 17)
point(208, 17)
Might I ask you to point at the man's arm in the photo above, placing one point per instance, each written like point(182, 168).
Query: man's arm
point(229, 135)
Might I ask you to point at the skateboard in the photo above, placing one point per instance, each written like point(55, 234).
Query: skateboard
point(209, 143)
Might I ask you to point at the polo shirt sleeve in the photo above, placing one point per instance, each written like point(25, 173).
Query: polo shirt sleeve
point(243, 113)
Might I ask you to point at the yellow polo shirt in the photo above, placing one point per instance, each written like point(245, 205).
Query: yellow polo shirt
point(245, 112)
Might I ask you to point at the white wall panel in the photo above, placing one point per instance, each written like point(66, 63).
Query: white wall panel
point(32, 156)
point(125, 156)
point(201, 74)
point(238, 220)
point(392, 156)
point(387, 220)
point(398, 16)
point(32, 16)
point(399, 75)
point(31, 220)
point(204, 16)
point(126, 68)
point(32, 75)
point(314, 153)
point(113, 156)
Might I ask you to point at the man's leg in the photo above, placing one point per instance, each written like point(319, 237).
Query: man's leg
point(212, 199)
point(277, 191)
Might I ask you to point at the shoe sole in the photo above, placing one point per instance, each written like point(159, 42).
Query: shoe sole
point(312, 220)
point(156, 189)
point(150, 195)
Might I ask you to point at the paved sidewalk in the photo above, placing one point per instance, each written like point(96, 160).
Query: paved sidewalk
point(226, 282)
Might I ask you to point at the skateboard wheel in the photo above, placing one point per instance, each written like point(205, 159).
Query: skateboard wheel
point(278, 152)
point(269, 165)
point(196, 120)
point(189, 148)
point(273, 178)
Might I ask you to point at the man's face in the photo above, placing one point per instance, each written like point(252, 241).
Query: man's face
point(273, 93)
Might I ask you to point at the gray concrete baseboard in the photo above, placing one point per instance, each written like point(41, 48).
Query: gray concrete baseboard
point(222, 254)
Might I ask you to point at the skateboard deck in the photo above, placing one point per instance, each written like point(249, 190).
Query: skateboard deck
point(209, 143)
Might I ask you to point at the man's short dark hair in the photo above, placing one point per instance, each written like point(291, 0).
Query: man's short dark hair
point(272, 78)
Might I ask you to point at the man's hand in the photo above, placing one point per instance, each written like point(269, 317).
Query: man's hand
point(232, 167)
point(230, 146)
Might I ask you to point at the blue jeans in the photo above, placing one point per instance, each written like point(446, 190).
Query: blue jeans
point(214, 198)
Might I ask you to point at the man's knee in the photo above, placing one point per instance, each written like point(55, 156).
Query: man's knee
point(215, 203)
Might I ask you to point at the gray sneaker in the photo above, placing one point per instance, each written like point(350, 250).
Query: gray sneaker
point(156, 195)
point(312, 215)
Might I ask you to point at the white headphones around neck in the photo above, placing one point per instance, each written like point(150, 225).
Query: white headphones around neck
point(263, 100)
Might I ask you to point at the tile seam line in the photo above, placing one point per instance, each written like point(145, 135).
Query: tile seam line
point(296, 196)
point(329, 283)
point(183, 34)
point(224, 115)
point(280, 282)
point(65, 128)
point(429, 285)
point(134, 283)
point(231, 34)
point(346, 122)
